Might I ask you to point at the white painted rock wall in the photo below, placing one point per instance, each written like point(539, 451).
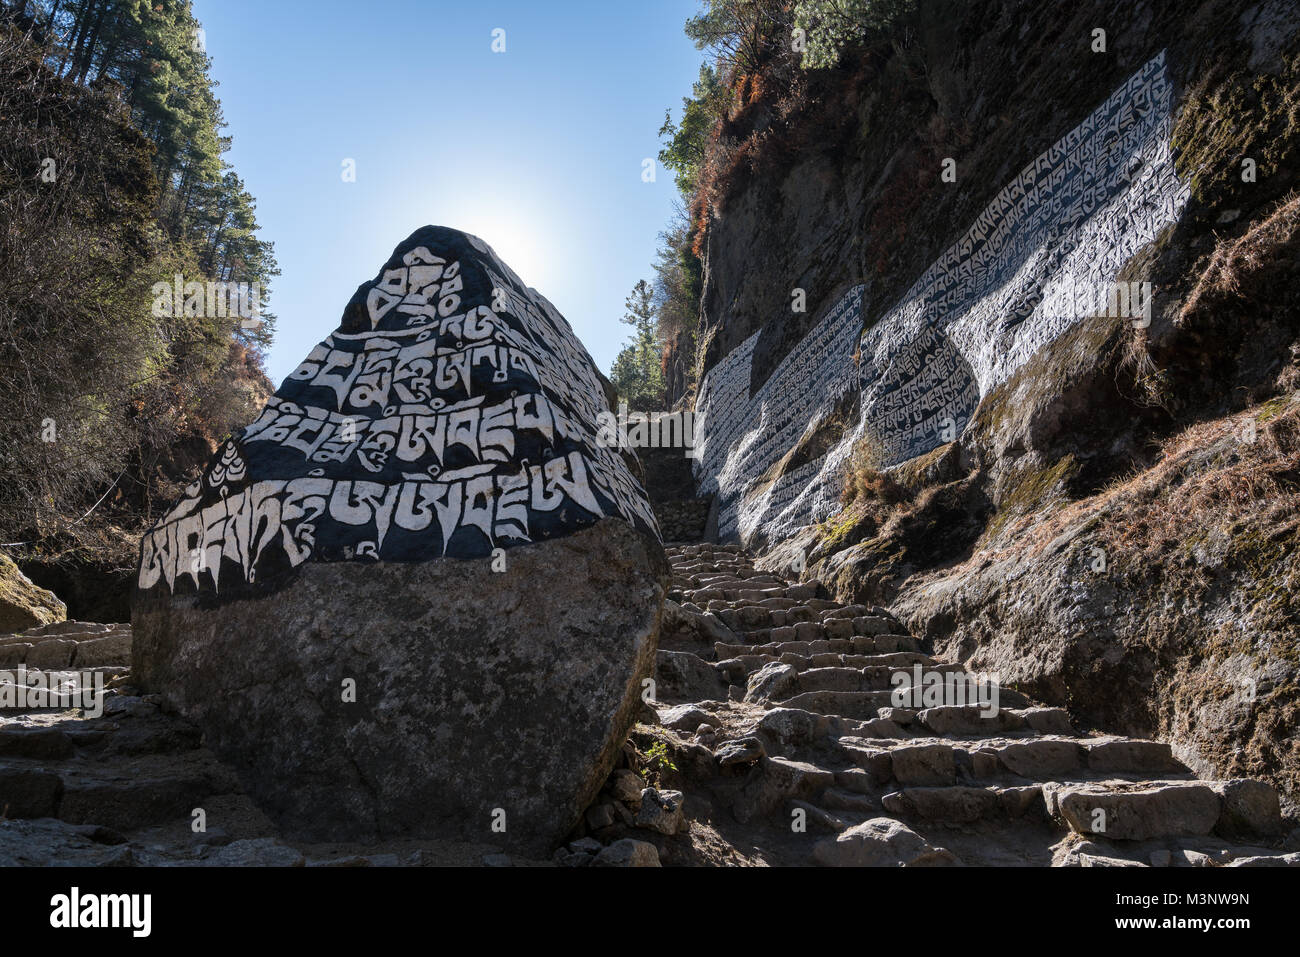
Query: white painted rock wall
point(1025, 272)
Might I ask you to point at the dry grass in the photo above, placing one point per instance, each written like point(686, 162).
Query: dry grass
point(865, 482)
point(1210, 479)
point(1237, 265)
point(1211, 476)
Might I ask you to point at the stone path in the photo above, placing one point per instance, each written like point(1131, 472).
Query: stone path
point(67, 644)
point(812, 761)
point(777, 742)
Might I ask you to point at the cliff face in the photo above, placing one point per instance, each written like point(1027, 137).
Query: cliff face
point(851, 191)
point(1090, 488)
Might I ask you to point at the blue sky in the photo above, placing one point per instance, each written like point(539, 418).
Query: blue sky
point(538, 150)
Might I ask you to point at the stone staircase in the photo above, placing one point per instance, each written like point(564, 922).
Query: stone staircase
point(780, 742)
point(68, 644)
point(815, 759)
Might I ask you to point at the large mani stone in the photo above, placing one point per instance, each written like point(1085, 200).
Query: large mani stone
point(416, 597)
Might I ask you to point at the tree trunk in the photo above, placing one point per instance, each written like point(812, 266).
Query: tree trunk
point(111, 48)
point(73, 48)
point(89, 53)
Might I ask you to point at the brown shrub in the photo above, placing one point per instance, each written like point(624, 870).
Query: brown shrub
point(863, 481)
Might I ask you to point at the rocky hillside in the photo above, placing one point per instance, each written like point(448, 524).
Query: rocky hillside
point(88, 558)
point(112, 189)
point(1096, 503)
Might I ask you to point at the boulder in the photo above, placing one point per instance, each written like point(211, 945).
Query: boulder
point(880, 842)
point(772, 682)
point(23, 604)
point(661, 811)
point(686, 717)
point(626, 786)
point(680, 675)
point(628, 853)
point(418, 596)
point(742, 751)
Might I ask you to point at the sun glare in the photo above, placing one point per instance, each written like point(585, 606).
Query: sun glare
point(515, 232)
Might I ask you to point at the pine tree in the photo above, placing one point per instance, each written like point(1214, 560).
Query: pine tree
point(77, 334)
point(636, 373)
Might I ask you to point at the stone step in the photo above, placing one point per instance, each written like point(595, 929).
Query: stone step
point(67, 645)
point(974, 720)
point(732, 587)
point(762, 621)
point(787, 727)
point(752, 611)
point(40, 743)
point(778, 781)
point(965, 804)
point(876, 678)
point(863, 705)
point(832, 746)
point(832, 630)
point(1136, 811)
point(697, 566)
point(858, 644)
point(841, 679)
point(718, 577)
point(1045, 758)
point(735, 591)
point(151, 790)
point(760, 597)
point(857, 611)
point(741, 666)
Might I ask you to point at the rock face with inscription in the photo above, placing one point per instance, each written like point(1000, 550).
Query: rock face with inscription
point(416, 596)
point(1026, 271)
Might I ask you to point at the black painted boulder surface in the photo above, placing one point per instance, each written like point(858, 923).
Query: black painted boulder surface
point(416, 596)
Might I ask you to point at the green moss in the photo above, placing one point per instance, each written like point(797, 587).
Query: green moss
point(1234, 117)
point(833, 534)
point(1031, 490)
point(912, 473)
point(1194, 540)
point(1049, 372)
point(1273, 408)
point(1270, 589)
